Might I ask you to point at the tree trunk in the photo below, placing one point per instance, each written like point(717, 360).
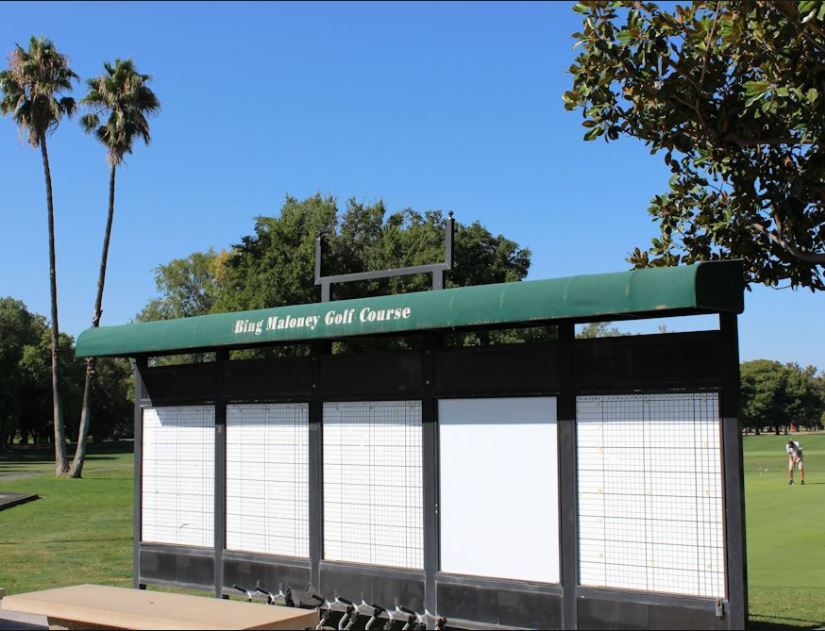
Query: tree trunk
point(60, 461)
point(76, 470)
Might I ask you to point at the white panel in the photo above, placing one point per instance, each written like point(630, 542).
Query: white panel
point(267, 482)
point(499, 488)
point(373, 493)
point(178, 489)
point(650, 494)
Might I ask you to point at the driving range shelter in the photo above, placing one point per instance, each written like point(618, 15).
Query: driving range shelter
point(563, 482)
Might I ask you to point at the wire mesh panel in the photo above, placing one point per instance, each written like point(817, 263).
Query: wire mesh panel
point(177, 482)
point(650, 493)
point(373, 493)
point(267, 474)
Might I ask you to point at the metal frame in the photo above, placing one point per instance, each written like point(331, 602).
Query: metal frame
point(565, 369)
point(436, 269)
point(220, 474)
point(568, 490)
point(141, 364)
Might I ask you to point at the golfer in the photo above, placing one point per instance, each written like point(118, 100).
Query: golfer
point(794, 450)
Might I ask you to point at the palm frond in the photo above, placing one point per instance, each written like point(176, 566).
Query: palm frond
point(89, 122)
point(121, 101)
point(33, 86)
point(68, 106)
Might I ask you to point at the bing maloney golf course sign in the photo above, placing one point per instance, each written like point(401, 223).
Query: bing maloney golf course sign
point(331, 318)
point(704, 286)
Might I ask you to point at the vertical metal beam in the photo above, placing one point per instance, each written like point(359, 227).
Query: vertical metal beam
point(140, 364)
point(733, 467)
point(568, 487)
point(438, 271)
point(430, 451)
point(449, 234)
point(320, 250)
point(316, 467)
point(319, 255)
point(221, 358)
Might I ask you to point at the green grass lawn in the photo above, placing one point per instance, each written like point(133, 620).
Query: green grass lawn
point(786, 532)
point(80, 531)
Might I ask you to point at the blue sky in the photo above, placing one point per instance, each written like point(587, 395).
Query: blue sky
point(450, 106)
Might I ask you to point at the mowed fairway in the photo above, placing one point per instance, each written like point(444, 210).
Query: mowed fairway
point(786, 532)
point(81, 530)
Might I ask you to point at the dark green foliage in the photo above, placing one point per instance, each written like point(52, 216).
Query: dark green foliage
point(598, 329)
point(114, 399)
point(25, 381)
point(731, 94)
point(188, 286)
point(20, 333)
point(276, 265)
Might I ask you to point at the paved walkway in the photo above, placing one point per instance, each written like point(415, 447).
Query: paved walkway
point(7, 500)
point(11, 477)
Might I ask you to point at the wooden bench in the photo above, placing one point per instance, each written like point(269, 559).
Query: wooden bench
point(99, 607)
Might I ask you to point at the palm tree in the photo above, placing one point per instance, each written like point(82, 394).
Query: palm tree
point(121, 96)
point(31, 89)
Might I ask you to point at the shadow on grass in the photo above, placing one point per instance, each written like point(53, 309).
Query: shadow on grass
point(92, 476)
point(45, 455)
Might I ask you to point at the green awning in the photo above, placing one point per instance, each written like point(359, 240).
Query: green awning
point(699, 288)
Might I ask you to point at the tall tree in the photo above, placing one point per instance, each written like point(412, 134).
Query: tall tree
point(763, 394)
point(188, 287)
point(804, 403)
point(122, 98)
point(276, 265)
point(731, 94)
point(31, 93)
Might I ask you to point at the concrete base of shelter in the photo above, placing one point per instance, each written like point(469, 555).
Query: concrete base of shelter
point(23, 621)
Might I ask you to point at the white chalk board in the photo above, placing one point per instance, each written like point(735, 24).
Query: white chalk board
point(373, 492)
point(650, 493)
point(499, 488)
point(267, 478)
point(177, 482)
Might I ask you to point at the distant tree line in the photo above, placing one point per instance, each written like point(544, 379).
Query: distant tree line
point(26, 383)
point(776, 396)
